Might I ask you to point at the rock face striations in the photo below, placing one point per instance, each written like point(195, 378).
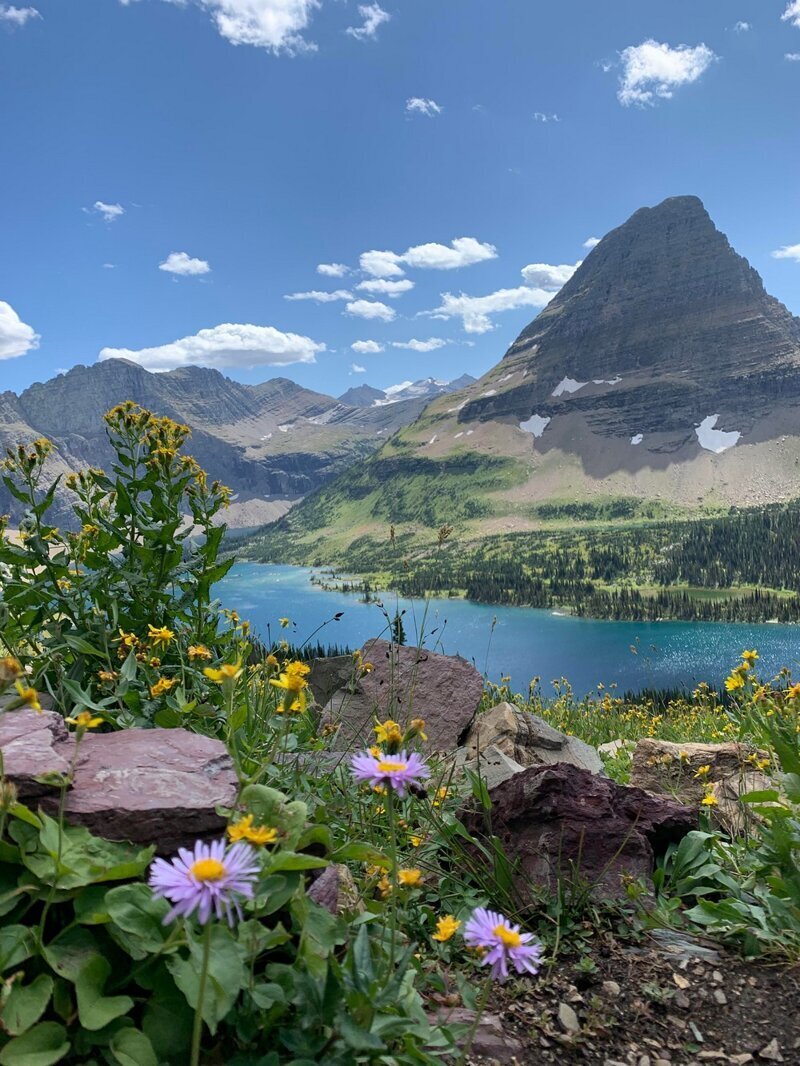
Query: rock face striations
point(661, 379)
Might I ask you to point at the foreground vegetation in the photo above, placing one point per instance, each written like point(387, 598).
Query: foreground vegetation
point(604, 560)
point(109, 957)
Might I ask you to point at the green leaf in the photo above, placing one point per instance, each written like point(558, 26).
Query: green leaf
point(90, 905)
point(26, 1005)
point(356, 1037)
point(167, 1020)
point(17, 943)
point(83, 646)
point(288, 860)
point(359, 852)
point(138, 919)
point(46, 1043)
point(94, 1009)
point(69, 952)
point(227, 975)
point(130, 1047)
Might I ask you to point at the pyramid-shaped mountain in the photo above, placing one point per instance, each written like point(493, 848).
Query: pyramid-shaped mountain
point(662, 376)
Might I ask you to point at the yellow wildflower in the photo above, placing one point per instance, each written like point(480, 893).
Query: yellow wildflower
point(107, 675)
point(410, 877)
point(198, 651)
point(84, 721)
point(272, 662)
point(160, 635)
point(793, 692)
point(703, 771)
point(226, 672)
point(285, 622)
point(164, 684)
point(128, 640)
point(446, 928)
point(416, 841)
point(441, 794)
point(293, 682)
point(749, 657)
point(417, 728)
point(709, 800)
point(29, 696)
point(10, 669)
point(388, 732)
point(734, 682)
point(243, 829)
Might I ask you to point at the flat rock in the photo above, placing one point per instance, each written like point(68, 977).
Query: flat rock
point(328, 675)
point(150, 786)
point(492, 764)
point(562, 820)
point(492, 1038)
point(335, 890)
point(528, 740)
point(405, 683)
point(34, 744)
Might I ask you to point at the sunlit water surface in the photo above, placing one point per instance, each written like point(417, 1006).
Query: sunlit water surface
point(521, 642)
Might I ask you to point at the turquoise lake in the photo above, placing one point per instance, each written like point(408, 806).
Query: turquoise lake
point(518, 641)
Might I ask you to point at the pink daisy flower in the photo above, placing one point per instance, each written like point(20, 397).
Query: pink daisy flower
point(395, 771)
point(503, 943)
point(208, 879)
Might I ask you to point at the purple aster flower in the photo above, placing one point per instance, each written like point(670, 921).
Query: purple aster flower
point(205, 880)
point(502, 943)
point(397, 771)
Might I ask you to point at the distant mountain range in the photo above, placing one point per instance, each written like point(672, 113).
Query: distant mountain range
point(271, 443)
point(424, 389)
point(662, 378)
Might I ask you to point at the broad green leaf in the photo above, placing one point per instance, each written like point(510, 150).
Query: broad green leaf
point(288, 860)
point(17, 943)
point(69, 952)
point(137, 919)
point(43, 1045)
point(94, 1009)
point(26, 1004)
point(227, 975)
point(167, 1020)
point(130, 1047)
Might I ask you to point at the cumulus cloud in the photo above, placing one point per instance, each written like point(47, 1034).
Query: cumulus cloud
point(742, 27)
point(414, 345)
point(461, 252)
point(388, 288)
point(543, 116)
point(108, 212)
point(320, 297)
point(332, 270)
point(420, 106)
point(367, 347)
point(17, 16)
point(184, 265)
point(275, 25)
point(371, 309)
point(792, 13)
point(224, 346)
point(789, 251)
point(374, 16)
point(545, 276)
point(591, 242)
point(793, 57)
point(653, 71)
point(474, 311)
point(356, 369)
point(16, 336)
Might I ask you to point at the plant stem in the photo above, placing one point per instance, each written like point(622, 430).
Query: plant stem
point(393, 875)
point(480, 1006)
point(197, 1031)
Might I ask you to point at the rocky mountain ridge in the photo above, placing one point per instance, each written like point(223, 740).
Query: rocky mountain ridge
point(662, 373)
point(271, 443)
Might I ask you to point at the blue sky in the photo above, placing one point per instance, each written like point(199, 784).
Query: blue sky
point(234, 145)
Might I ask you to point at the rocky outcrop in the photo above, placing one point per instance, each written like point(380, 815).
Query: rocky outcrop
point(149, 786)
point(406, 683)
point(335, 889)
point(528, 740)
point(564, 822)
point(685, 771)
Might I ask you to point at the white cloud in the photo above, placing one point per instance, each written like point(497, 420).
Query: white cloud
point(591, 242)
point(182, 264)
point(16, 336)
point(109, 266)
point(388, 288)
point(367, 347)
point(276, 25)
point(421, 346)
point(792, 13)
point(109, 212)
point(742, 27)
point(371, 309)
point(789, 251)
point(356, 369)
point(652, 71)
point(373, 16)
point(227, 345)
point(332, 270)
point(17, 16)
point(793, 57)
point(420, 106)
point(545, 276)
point(461, 252)
point(543, 116)
point(320, 297)
point(474, 311)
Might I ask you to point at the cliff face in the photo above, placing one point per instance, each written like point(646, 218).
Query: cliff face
point(272, 443)
point(661, 372)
